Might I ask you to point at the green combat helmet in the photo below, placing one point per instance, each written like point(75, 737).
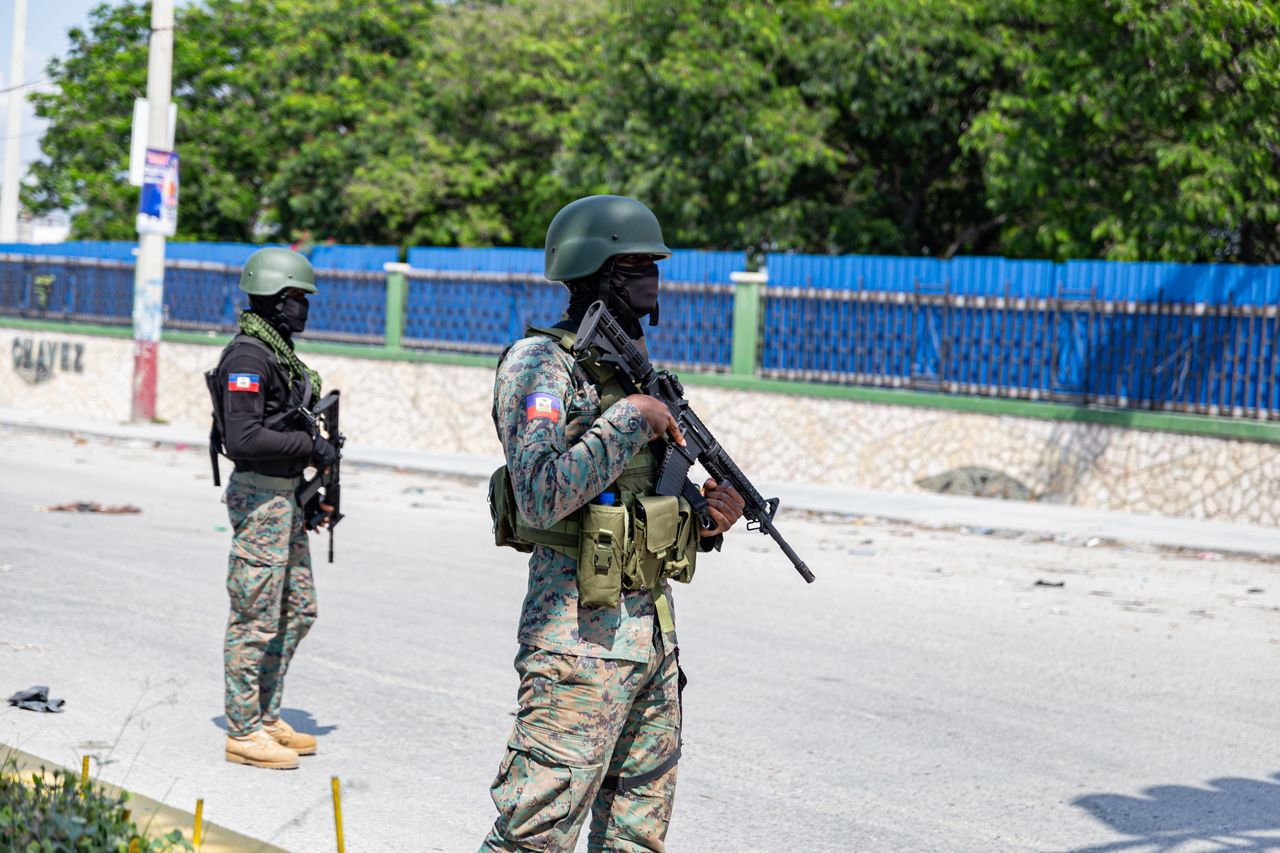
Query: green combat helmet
point(269, 271)
point(589, 231)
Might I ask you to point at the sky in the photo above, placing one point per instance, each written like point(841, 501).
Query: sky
point(47, 25)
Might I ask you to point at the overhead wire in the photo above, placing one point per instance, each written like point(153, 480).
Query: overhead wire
point(25, 85)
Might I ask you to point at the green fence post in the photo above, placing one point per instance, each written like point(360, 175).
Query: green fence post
point(397, 298)
point(746, 320)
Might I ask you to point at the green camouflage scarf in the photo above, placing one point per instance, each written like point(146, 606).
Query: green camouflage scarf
point(254, 326)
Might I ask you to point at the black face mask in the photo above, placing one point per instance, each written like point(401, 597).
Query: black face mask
point(294, 312)
point(635, 289)
point(288, 315)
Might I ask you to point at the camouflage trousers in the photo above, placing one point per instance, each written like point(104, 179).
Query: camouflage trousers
point(583, 723)
point(273, 599)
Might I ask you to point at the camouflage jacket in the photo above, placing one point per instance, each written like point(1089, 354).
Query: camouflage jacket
point(562, 451)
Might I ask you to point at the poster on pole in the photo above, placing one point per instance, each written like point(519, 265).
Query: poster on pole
point(158, 203)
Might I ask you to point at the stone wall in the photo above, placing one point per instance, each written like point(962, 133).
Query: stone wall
point(391, 404)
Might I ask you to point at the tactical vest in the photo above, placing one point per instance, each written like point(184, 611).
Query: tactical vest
point(299, 398)
point(634, 543)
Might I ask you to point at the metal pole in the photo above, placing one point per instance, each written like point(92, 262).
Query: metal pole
point(13, 129)
point(148, 282)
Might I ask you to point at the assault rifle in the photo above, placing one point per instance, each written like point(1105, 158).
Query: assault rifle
point(323, 418)
point(600, 331)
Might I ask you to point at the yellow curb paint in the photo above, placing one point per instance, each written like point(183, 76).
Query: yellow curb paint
point(146, 812)
point(337, 814)
point(84, 771)
point(196, 825)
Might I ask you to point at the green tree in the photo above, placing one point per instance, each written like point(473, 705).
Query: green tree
point(904, 80)
point(466, 157)
point(87, 144)
point(1137, 130)
point(1032, 128)
point(698, 110)
point(272, 98)
point(808, 125)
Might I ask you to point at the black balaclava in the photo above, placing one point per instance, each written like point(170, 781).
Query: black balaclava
point(630, 293)
point(288, 314)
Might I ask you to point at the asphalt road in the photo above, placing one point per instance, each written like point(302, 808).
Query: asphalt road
point(925, 694)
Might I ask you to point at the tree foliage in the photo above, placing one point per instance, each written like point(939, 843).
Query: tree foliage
point(1137, 129)
point(1032, 128)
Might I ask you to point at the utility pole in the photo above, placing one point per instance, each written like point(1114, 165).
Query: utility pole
point(13, 129)
point(148, 281)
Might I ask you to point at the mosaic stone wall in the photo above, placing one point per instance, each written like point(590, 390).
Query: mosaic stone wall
point(389, 404)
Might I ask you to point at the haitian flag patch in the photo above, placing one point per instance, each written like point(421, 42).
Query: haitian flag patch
point(542, 406)
point(243, 382)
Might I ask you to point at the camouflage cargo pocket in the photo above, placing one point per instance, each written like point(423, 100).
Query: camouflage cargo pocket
point(263, 523)
point(545, 785)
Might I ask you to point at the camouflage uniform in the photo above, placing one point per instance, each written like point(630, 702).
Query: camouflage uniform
point(273, 599)
point(598, 686)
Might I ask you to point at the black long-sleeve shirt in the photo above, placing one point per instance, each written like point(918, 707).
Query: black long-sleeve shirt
point(255, 386)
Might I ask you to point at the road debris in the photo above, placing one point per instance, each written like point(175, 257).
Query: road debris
point(1043, 582)
point(90, 506)
point(37, 699)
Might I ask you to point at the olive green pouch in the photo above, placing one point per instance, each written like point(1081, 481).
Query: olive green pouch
point(686, 548)
point(657, 538)
point(603, 543)
point(502, 509)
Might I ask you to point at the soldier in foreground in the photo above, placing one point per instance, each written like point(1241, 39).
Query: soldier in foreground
point(259, 384)
point(598, 727)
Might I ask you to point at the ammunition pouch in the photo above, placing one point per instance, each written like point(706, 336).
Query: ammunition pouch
point(510, 530)
point(604, 553)
point(629, 546)
point(666, 541)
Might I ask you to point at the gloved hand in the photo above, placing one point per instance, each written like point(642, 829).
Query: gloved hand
point(324, 454)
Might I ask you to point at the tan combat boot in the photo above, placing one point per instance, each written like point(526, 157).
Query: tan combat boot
point(285, 735)
point(259, 749)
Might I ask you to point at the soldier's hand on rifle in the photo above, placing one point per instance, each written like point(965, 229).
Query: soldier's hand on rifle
point(724, 505)
point(324, 522)
point(324, 453)
point(658, 415)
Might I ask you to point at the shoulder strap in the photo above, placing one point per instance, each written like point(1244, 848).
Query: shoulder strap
point(250, 339)
point(585, 365)
point(562, 336)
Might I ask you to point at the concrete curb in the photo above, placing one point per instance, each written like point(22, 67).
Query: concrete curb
point(154, 818)
point(923, 508)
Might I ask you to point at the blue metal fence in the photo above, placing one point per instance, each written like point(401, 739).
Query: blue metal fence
point(1161, 354)
point(484, 311)
point(323, 256)
point(1198, 338)
point(198, 296)
point(83, 290)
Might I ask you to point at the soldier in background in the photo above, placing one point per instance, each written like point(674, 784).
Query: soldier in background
point(598, 727)
point(273, 600)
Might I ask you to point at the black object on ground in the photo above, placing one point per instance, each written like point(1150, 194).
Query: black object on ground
point(37, 699)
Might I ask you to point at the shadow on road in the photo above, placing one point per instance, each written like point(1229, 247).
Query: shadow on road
point(299, 719)
point(1235, 814)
